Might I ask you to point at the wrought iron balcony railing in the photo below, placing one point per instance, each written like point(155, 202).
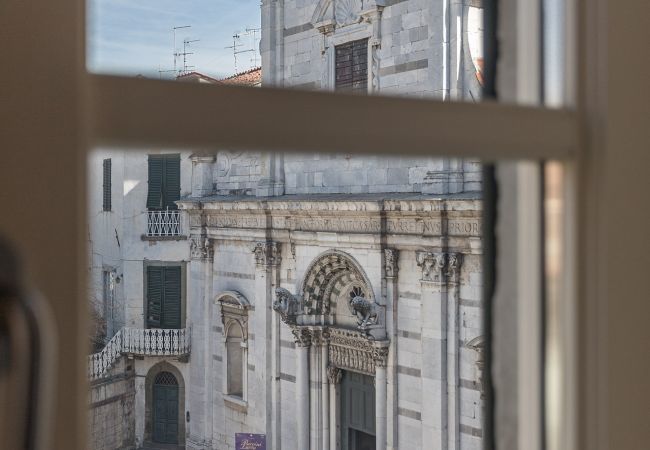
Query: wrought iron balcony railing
point(164, 223)
point(140, 342)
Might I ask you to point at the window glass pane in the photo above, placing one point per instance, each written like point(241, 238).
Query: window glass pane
point(360, 276)
point(419, 48)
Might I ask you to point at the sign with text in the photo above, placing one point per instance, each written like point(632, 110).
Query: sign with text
point(247, 441)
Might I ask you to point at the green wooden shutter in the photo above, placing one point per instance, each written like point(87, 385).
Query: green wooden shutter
point(155, 277)
point(107, 185)
point(155, 194)
point(171, 181)
point(172, 298)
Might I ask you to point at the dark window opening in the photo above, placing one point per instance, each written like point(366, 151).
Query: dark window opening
point(107, 185)
point(352, 66)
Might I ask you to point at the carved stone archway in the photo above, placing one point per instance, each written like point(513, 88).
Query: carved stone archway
point(326, 276)
point(324, 346)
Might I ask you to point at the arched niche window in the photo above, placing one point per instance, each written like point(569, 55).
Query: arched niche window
point(234, 316)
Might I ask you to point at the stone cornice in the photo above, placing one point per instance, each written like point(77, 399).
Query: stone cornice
point(281, 204)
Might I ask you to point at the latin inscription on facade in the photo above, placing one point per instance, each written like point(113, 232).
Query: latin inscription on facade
point(413, 226)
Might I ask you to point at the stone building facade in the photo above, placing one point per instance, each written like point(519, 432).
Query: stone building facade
point(328, 301)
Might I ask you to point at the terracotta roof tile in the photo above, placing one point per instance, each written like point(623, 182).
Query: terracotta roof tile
point(252, 77)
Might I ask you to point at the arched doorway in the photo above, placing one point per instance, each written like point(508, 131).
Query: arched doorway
point(165, 408)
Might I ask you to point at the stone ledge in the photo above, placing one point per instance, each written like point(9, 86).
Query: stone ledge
point(236, 403)
point(144, 237)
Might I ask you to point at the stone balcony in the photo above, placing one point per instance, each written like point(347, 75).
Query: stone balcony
point(139, 342)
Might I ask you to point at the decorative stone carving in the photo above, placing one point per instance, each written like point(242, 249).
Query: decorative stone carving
point(390, 259)
point(347, 12)
point(319, 336)
point(367, 313)
point(334, 374)
point(454, 260)
point(330, 269)
point(201, 247)
point(351, 350)
point(234, 308)
point(439, 267)
point(267, 253)
point(287, 305)
point(380, 353)
point(478, 345)
point(301, 336)
point(431, 264)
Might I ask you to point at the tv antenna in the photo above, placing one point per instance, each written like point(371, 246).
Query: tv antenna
point(175, 53)
point(254, 32)
point(235, 45)
point(187, 42)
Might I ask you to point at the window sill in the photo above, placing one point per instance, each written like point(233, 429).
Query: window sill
point(236, 403)
point(144, 237)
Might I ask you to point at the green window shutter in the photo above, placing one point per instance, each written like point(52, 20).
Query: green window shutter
point(107, 185)
point(155, 277)
point(155, 194)
point(172, 297)
point(172, 181)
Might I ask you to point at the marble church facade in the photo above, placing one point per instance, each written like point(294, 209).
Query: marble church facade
point(327, 301)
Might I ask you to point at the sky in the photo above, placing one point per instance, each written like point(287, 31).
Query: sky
point(131, 37)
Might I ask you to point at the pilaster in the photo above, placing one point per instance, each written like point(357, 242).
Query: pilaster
point(198, 313)
point(334, 375)
point(434, 348)
point(267, 257)
point(391, 268)
point(380, 354)
point(302, 338)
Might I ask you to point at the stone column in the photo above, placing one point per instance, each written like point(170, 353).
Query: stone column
point(391, 270)
point(201, 254)
point(325, 395)
point(303, 342)
point(334, 375)
point(267, 261)
point(434, 349)
point(380, 353)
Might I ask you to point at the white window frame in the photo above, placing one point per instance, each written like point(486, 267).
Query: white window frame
point(52, 112)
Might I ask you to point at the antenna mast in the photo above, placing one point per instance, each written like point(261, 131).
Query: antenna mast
point(187, 42)
point(254, 32)
point(234, 46)
point(175, 53)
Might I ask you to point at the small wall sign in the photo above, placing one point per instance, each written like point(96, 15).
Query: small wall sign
point(247, 441)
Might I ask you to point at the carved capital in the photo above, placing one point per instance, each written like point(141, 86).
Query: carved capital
point(267, 253)
point(432, 265)
point(334, 374)
point(301, 336)
point(380, 354)
point(440, 267)
point(454, 260)
point(390, 259)
point(319, 336)
point(201, 247)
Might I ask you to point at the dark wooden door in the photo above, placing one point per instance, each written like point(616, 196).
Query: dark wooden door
point(165, 409)
point(357, 412)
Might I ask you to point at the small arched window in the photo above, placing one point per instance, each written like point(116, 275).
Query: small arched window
point(235, 360)
point(234, 316)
